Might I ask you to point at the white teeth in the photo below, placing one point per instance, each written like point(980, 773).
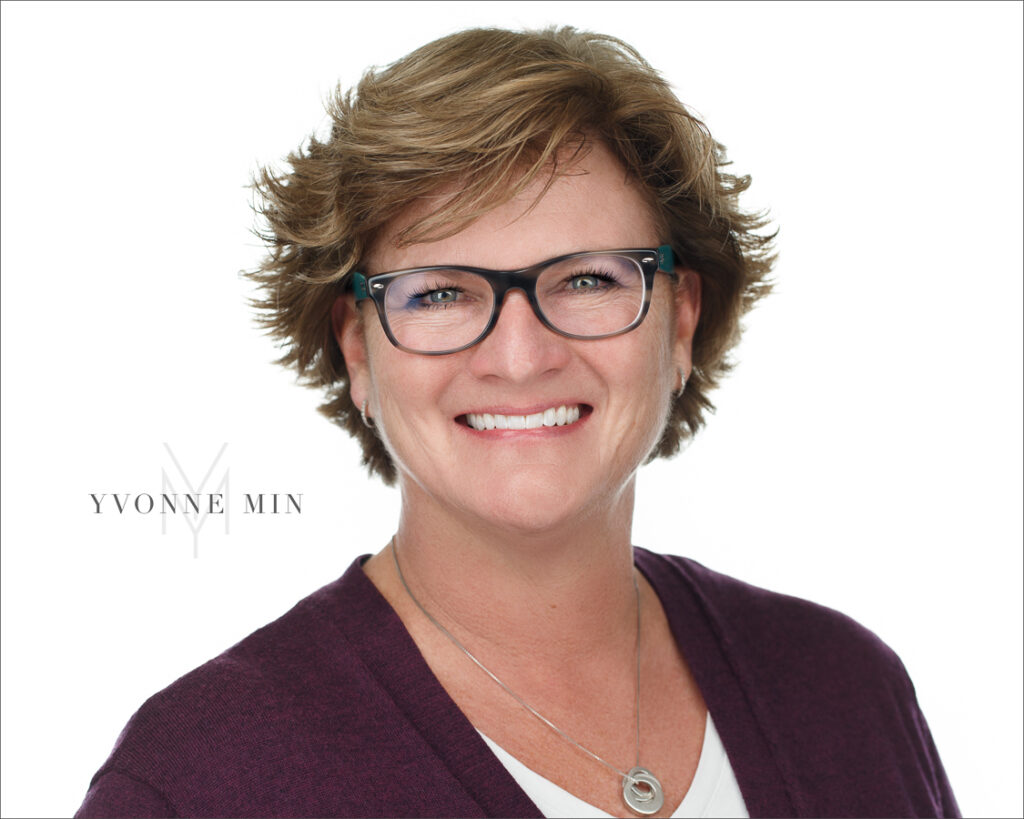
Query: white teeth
point(551, 417)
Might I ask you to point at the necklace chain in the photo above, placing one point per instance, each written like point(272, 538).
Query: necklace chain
point(632, 780)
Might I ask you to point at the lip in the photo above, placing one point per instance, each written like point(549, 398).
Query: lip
point(586, 410)
point(530, 409)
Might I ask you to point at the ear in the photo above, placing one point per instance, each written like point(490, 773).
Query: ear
point(687, 314)
point(347, 323)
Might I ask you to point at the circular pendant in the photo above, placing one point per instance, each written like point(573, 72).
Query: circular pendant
point(642, 792)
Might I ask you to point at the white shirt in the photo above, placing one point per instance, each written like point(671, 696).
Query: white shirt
point(714, 791)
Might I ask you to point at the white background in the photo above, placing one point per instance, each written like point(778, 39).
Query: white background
point(866, 453)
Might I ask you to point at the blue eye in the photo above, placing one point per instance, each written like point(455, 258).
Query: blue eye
point(591, 281)
point(442, 296)
point(434, 297)
point(584, 283)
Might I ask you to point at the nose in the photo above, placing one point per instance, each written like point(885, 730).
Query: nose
point(520, 347)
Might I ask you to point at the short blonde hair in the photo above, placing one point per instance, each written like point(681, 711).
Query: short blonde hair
point(493, 110)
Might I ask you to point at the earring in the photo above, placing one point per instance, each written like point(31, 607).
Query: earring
point(362, 412)
point(682, 381)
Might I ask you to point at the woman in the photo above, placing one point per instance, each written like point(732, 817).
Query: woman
point(517, 266)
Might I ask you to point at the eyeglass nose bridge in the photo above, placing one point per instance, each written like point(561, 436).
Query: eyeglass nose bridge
point(505, 282)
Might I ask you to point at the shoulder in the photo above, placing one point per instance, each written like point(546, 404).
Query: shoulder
point(274, 668)
point(763, 628)
point(831, 700)
point(259, 706)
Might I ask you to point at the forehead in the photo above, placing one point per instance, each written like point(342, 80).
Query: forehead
point(592, 205)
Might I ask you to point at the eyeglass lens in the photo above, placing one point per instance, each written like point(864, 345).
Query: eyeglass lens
point(435, 310)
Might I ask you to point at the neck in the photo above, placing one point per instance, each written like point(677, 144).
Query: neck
point(544, 596)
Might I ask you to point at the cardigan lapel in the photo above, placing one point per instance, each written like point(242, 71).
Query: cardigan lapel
point(378, 636)
point(702, 640)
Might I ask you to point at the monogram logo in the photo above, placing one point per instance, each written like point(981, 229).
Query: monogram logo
point(197, 520)
point(182, 496)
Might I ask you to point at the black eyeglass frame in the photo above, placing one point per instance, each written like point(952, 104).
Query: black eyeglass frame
point(502, 281)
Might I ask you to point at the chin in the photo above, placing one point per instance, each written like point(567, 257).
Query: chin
point(528, 504)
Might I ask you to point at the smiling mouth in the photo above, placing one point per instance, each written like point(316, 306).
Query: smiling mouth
point(561, 416)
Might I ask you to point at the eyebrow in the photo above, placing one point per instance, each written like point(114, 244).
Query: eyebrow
point(450, 264)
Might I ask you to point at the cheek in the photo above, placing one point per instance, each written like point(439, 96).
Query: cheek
point(394, 374)
point(405, 413)
point(407, 393)
point(643, 375)
point(655, 378)
point(658, 368)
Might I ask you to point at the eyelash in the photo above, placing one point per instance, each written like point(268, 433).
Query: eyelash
point(419, 296)
point(600, 275)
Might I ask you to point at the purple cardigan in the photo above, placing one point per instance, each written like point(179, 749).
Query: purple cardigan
point(332, 711)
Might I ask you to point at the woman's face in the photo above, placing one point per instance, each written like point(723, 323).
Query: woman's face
point(527, 479)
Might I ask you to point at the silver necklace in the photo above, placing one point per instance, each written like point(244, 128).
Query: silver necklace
point(641, 790)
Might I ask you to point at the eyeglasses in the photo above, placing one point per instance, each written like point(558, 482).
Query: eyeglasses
point(445, 309)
